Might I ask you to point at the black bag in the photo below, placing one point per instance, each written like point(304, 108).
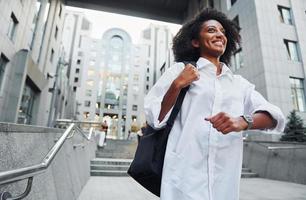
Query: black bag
point(148, 162)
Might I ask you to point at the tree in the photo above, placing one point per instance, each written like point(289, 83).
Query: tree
point(294, 130)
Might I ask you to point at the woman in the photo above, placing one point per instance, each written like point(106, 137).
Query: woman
point(203, 159)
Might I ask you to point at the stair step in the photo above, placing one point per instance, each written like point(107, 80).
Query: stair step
point(249, 175)
point(114, 155)
point(246, 170)
point(110, 161)
point(110, 167)
point(108, 173)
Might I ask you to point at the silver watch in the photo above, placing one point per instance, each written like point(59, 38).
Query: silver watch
point(249, 121)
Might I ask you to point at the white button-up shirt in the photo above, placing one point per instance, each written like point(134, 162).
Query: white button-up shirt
point(200, 162)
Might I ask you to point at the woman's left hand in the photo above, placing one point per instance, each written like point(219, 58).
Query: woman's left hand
point(225, 123)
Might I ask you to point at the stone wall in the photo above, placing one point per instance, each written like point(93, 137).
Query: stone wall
point(278, 164)
point(22, 146)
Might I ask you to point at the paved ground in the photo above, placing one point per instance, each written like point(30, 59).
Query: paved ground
point(124, 188)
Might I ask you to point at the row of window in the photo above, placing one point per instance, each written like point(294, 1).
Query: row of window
point(291, 46)
point(108, 106)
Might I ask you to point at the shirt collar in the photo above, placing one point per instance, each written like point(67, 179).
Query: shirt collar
point(207, 65)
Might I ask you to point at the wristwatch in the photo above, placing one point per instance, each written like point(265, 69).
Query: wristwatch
point(249, 120)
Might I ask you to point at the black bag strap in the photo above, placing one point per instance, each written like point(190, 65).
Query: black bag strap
point(178, 104)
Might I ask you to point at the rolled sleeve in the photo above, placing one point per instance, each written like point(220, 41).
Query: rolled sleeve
point(255, 102)
point(153, 100)
point(152, 110)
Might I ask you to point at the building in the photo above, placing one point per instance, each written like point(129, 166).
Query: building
point(76, 43)
point(30, 49)
point(158, 41)
point(273, 50)
point(90, 83)
point(121, 99)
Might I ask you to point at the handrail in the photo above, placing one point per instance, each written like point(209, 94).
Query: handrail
point(272, 148)
point(29, 172)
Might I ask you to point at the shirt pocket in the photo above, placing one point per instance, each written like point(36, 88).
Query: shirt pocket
point(233, 102)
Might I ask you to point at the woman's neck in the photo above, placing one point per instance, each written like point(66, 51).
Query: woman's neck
point(215, 61)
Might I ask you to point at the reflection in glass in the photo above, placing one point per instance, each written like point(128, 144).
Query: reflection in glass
point(26, 105)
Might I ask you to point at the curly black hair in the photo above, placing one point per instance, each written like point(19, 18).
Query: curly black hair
point(182, 47)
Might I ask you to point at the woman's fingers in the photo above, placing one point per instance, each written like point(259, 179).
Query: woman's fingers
point(223, 122)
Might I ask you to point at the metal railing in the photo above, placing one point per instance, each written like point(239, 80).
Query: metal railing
point(15, 175)
point(273, 148)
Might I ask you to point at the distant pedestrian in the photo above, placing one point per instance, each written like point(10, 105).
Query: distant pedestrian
point(141, 131)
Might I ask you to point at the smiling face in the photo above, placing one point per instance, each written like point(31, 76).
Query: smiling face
point(212, 40)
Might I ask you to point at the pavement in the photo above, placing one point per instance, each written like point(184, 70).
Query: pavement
point(125, 188)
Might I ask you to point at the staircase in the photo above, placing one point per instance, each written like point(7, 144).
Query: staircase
point(247, 173)
point(114, 159)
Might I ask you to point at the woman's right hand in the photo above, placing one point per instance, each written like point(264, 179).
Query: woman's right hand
point(187, 76)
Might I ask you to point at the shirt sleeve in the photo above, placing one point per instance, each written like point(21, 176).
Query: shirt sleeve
point(152, 101)
point(254, 102)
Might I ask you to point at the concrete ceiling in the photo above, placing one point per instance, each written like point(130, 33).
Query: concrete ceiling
point(173, 11)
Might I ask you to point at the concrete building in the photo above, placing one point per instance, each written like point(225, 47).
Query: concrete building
point(273, 50)
point(158, 41)
point(90, 87)
point(121, 100)
point(30, 49)
point(76, 32)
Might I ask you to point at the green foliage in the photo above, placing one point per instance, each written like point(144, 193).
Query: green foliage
point(294, 130)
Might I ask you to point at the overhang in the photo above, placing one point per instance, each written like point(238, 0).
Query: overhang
point(174, 11)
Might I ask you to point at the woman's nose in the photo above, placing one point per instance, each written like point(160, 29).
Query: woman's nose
point(220, 33)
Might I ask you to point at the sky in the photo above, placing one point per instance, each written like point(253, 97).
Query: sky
point(103, 21)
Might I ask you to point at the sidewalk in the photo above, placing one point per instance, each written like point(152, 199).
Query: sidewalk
point(124, 188)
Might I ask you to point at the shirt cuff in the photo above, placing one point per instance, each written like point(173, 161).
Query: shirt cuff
point(155, 111)
point(276, 114)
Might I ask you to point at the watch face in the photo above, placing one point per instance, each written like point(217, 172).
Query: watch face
point(249, 120)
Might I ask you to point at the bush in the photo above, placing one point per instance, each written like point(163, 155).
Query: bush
point(294, 130)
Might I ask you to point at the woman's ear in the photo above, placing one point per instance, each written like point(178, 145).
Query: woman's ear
point(195, 43)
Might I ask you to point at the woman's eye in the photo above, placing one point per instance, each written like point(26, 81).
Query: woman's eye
point(211, 30)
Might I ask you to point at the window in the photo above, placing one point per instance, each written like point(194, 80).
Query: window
point(88, 93)
point(147, 87)
point(74, 89)
point(292, 50)
point(87, 103)
point(77, 70)
point(237, 60)
point(233, 2)
point(91, 72)
point(3, 63)
point(56, 32)
point(78, 61)
point(86, 115)
point(297, 94)
point(76, 79)
point(136, 77)
point(134, 108)
point(27, 103)
point(135, 97)
point(236, 21)
point(285, 15)
point(148, 78)
point(92, 62)
point(148, 70)
point(52, 55)
point(60, 11)
point(12, 27)
point(90, 83)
